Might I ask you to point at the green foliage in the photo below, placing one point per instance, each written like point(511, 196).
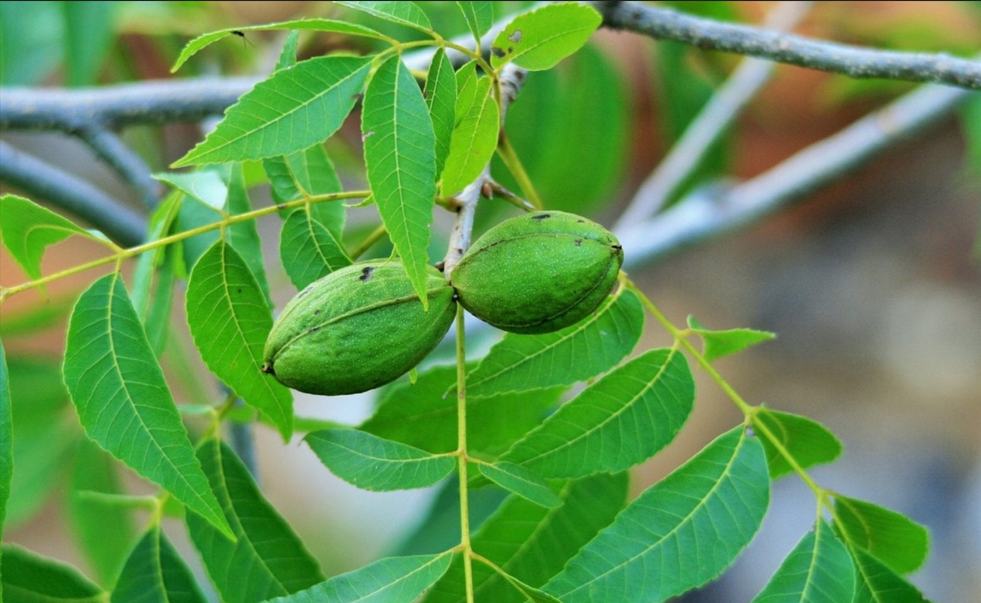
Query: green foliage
point(373, 463)
point(269, 558)
point(692, 524)
point(621, 420)
point(28, 230)
point(540, 39)
point(155, 573)
point(113, 376)
point(230, 323)
point(400, 156)
point(818, 570)
point(285, 113)
point(29, 578)
point(807, 441)
point(890, 537)
point(529, 443)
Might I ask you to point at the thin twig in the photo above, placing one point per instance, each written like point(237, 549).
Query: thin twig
point(853, 61)
point(718, 209)
point(72, 194)
point(128, 164)
point(728, 103)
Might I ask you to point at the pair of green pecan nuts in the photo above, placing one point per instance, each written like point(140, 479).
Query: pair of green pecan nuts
point(363, 326)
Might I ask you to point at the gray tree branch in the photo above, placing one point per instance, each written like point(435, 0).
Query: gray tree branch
point(40, 179)
point(717, 209)
point(127, 164)
point(666, 24)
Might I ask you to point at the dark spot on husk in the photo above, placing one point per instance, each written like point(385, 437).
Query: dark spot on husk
point(366, 274)
point(617, 247)
point(580, 221)
point(304, 292)
point(541, 217)
point(578, 242)
point(499, 53)
point(316, 312)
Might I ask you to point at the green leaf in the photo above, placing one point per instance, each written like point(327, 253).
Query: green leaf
point(30, 578)
point(522, 482)
point(373, 463)
point(424, 415)
point(392, 580)
point(474, 140)
point(114, 380)
point(309, 171)
point(192, 215)
point(466, 91)
point(809, 442)
point(723, 343)
point(269, 558)
point(287, 56)
point(327, 25)
point(879, 584)
point(818, 570)
point(45, 433)
point(533, 543)
point(401, 12)
point(620, 421)
point(6, 443)
point(559, 125)
point(31, 41)
point(891, 537)
point(105, 549)
point(677, 535)
point(581, 351)
point(440, 97)
point(291, 111)
point(308, 250)
point(479, 17)
point(155, 573)
point(152, 307)
point(29, 229)
point(539, 39)
point(205, 185)
point(230, 322)
point(89, 29)
point(244, 236)
point(400, 155)
point(528, 593)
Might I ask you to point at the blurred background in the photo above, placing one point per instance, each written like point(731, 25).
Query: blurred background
point(873, 284)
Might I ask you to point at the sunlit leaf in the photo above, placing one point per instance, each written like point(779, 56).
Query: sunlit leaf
point(479, 17)
point(29, 229)
point(291, 111)
point(818, 570)
point(206, 186)
point(541, 38)
point(155, 573)
point(723, 343)
point(521, 481)
point(230, 322)
point(879, 584)
point(105, 549)
point(373, 463)
point(577, 352)
point(308, 250)
point(6, 442)
point(401, 12)
point(891, 537)
point(677, 535)
point(30, 578)
point(809, 442)
point(440, 96)
point(268, 559)
point(392, 580)
point(473, 141)
point(400, 155)
point(533, 543)
point(424, 415)
point(466, 90)
point(326, 25)
point(618, 422)
point(114, 380)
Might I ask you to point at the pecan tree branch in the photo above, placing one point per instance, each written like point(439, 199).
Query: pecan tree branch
point(666, 24)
